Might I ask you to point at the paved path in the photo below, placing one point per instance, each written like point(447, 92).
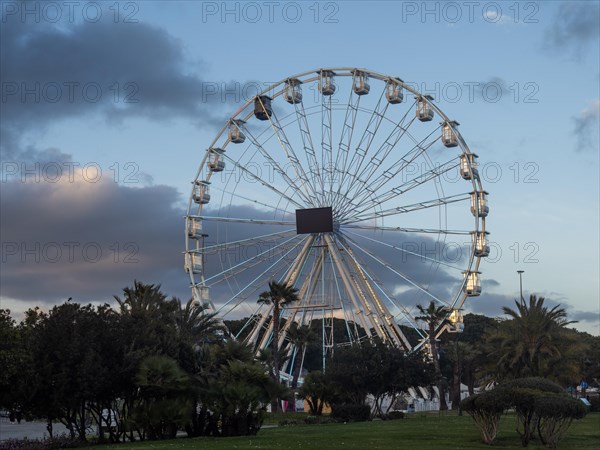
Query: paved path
point(31, 430)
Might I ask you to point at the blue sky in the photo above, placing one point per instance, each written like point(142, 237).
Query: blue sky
point(537, 137)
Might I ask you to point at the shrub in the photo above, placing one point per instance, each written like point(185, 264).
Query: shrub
point(524, 393)
point(56, 442)
point(555, 415)
point(348, 412)
point(288, 422)
point(313, 420)
point(486, 409)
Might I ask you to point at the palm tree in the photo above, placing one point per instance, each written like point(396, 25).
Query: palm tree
point(532, 342)
point(433, 316)
point(278, 295)
point(195, 324)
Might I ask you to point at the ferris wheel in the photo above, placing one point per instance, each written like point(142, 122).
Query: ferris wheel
point(350, 186)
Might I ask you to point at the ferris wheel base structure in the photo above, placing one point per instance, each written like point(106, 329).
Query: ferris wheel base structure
point(338, 182)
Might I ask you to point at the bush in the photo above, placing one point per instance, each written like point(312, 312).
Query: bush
point(347, 412)
point(288, 423)
point(524, 393)
point(313, 420)
point(540, 405)
point(486, 409)
point(555, 415)
point(56, 442)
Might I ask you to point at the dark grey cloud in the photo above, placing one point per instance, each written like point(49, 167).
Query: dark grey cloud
point(585, 128)
point(88, 240)
point(111, 70)
point(574, 28)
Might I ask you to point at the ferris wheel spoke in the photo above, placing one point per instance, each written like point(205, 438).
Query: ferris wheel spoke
point(259, 277)
point(407, 252)
point(309, 150)
point(407, 230)
point(276, 166)
point(242, 197)
point(385, 149)
point(260, 180)
point(394, 170)
point(326, 146)
point(308, 188)
point(245, 220)
point(362, 149)
point(241, 242)
point(345, 142)
point(422, 179)
point(245, 264)
point(406, 208)
point(397, 272)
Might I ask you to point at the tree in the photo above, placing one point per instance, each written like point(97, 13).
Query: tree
point(534, 342)
point(316, 391)
point(147, 321)
point(301, 337)
point(166, 403)
point(278, 295)
point(196, 328)
point(433, 316)
point(233, 389)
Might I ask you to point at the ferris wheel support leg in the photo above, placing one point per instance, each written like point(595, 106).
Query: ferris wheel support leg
point(350, 286)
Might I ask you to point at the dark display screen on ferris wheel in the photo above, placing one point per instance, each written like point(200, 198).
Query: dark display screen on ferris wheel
point(314, 220)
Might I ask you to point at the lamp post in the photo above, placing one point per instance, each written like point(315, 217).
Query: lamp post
point(520, 272)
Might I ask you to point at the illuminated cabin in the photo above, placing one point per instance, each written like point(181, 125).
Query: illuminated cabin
point(194, 228)
point(292, 92)
point(479, 206)
point(215, 160)
point(235, 133)
point(449, 137)
point(361, 83)
point(326, 83)
point(393, 91)
point(473, 285)
point(456, 321)
point(424, 109)
point(201, 193)
point(262, 107)
point(468, 166)
point(193, 263)
point(480, 243)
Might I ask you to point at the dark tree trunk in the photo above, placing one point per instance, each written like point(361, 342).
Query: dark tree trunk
point(275, 344)
point(441, 383)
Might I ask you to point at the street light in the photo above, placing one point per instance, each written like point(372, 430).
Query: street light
point(520, 272)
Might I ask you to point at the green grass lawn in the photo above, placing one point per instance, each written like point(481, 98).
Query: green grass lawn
point(432, 431)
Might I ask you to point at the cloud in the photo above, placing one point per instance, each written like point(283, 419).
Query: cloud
point(88, 239)
point(110, 70)
point(585, 127)
point(574, 28)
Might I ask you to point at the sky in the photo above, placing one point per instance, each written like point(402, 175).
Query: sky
point(107, 109)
